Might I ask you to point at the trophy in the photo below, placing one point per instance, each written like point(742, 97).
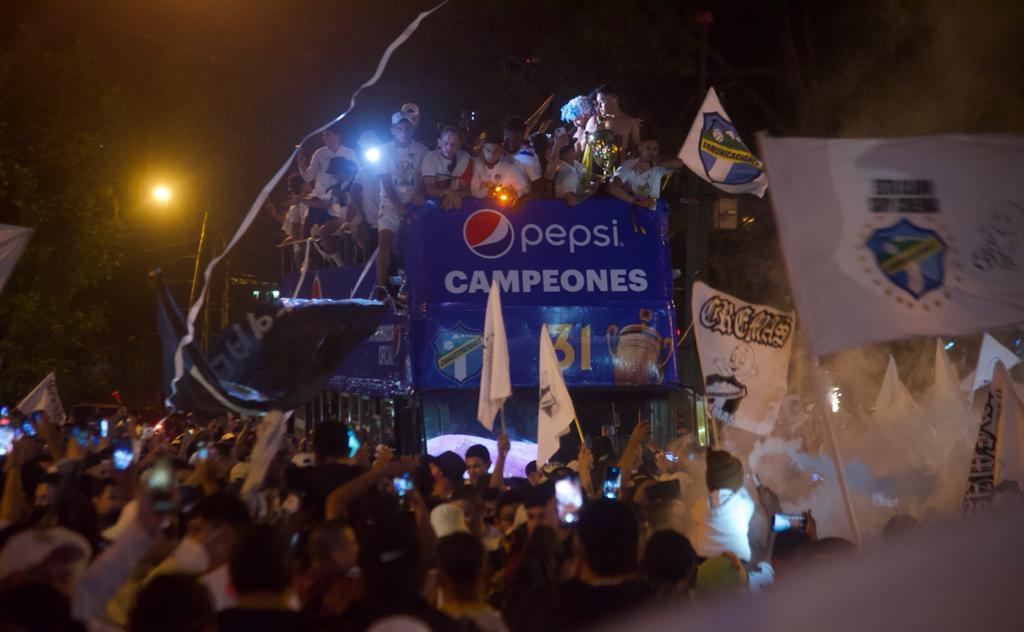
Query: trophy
point(636, 351)
point(602, 154)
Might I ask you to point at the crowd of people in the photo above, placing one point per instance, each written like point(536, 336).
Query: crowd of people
point(227, 524)
point(349, 204)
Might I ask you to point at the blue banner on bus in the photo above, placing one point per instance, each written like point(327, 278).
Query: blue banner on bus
point(596, 346)
point(601, 252)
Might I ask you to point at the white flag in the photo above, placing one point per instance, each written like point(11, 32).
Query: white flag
point(893, 238)
point(13, 240)
point(495, 383)
point(744, 355)
point(44, 397)
point(999, 451)
point(715, 152)
point(1010, 444)
point(991, 352)
point(555, 412)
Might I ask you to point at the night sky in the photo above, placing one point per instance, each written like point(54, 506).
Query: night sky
point(217, 93)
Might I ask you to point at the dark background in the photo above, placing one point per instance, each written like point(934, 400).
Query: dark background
point(99, 100)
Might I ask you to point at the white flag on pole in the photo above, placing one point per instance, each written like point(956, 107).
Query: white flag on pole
point(495, 383)
point(13, 240)
point(44, 397)
point(555, 412)
point(744, 355)
point(715, 152)
point(894, 238)
point(990, 353)
point(999, 451)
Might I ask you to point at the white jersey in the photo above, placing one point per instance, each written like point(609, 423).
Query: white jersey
point(317, 169)
point(642, 184)
point(455, 174)
point(569, 178)
point(402, 165)
point(528, 162)
point(504, 173)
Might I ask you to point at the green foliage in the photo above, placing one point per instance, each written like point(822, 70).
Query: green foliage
point(56, 176)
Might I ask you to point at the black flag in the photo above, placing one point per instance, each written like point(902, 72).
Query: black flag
point(278, 357)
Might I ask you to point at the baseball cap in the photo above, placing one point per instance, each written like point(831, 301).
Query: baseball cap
point(411, 110)
point(29, 548)
point(447, 519)
point(401, 116)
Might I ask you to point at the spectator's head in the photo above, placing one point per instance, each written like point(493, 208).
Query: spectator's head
point(669, 560)
point(298, 186)
point(332, 544)
point(724, 471)
point(449, 141)
point(342, 170)
point(541, 509)
point(508, 504)
point(36, 606)
point(609, 535)
point(391, 560)
point(461, 561)
point(332, 137)
point(791, 549)
point(471, 502)
point(491, 151)
point(514, 130)
point(215, 522)
point(447, 469)
point(54, 556)
point(578, 110)
point(900, 526)
point(567, 153)
point(330, 442)
point(648, 148)
point(607, 100)
point(478, 461)
point(402, 127)
point(412, 111)
point(720, 576)
point(107, 499)
point(533, 474)
point(540, 143)
point(173, 603)
point(489, 496)
point(261, 565)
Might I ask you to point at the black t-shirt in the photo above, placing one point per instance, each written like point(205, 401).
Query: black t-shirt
point(584, 605)
point(317, 482)
point(245, 620)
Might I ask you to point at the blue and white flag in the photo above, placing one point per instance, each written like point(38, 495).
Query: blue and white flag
point(715, 152)
point(891, 238)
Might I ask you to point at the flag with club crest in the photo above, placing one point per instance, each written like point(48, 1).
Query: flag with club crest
point(555, 412)
point(495, 383)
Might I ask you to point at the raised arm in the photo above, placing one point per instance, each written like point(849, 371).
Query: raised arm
point(498, 475)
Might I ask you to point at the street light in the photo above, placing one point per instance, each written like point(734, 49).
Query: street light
point(161, 194)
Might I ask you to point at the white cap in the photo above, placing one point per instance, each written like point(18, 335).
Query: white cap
point(399, 623)
point(30, 547)
point(447, 519)
point(304, 459)
point(411, 110)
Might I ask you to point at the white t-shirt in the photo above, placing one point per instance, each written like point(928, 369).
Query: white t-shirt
point(296, 214)
point(317, 169)
point(721, 523)
point(457, 176)
point(642, 184)
point(569, 178)
point(504, 172)
point(528, 162)
point(402, 164)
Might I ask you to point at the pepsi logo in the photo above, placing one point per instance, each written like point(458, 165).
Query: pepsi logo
point(488, 233)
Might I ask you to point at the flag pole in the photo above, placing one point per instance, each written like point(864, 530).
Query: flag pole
point(502, 409)
point(580, 431)
point(827, 414)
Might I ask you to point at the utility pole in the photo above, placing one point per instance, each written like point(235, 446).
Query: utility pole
point(696, 230)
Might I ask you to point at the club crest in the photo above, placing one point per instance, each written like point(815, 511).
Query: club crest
point(910, 257)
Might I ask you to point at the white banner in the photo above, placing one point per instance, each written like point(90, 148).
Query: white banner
point(999, 452)
point(555, 412)
point(893, 238)
point(715, 152)
point(744, 355)
point(495, 383)
point(44, 397)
